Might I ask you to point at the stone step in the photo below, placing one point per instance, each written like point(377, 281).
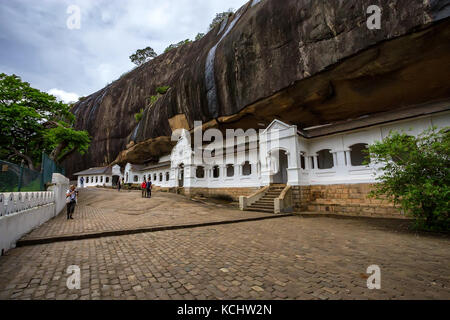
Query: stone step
point(260, 210)
point(276, 195)
point(269, 197)
point(264, 201)
point(262, 205)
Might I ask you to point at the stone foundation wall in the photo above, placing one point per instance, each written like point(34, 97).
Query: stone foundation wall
point(351, 199)
point(301, 197)
point(346, 199)
point(234, 193)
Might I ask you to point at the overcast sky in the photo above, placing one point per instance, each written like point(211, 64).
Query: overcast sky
point(37, 45)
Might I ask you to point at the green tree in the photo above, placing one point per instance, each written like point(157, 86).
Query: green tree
point(177, 45)
point(199, 36)
point(143, 55)
point(32, 121)
point(416, 175)
point(220, 17)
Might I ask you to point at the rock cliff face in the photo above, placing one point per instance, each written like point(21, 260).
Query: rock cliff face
point(305, 62)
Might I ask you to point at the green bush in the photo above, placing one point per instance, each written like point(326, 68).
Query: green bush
point(199, 36)
point(138, 116)
point(162, 90)
point(153, 99)
point(416, 175)
point(220, 17)
point(177, 45)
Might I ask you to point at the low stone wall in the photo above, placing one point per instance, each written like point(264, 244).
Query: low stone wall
point(21, 212)
point(349, 199)
point(234, 193)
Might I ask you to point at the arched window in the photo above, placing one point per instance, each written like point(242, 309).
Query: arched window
point(302, 161)
point(154, 177)
point(246, 169)
point(216, 172)
point(107, 179)
point(200, 172)
point(325, 159)
point(101, 179)
point(160, 176)
point(359, 154)
point(136, 178)
point(230, 170)
point(87, 179)
point(149, 177)
point(96, 179)
point(167, 176)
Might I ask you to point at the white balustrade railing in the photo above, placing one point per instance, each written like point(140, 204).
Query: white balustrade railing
point(13, 202)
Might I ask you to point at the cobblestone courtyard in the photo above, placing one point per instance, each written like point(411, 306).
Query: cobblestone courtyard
point(285, 258)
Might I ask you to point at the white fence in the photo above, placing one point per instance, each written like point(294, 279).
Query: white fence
point(13, 202)
point(21, 212)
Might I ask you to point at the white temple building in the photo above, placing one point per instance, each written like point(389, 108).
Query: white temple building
point(99, 177)
point(312, 169)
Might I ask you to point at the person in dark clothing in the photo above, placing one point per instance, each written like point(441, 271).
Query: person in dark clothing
point(149, 189)
point(71, 200)
point(119, 185)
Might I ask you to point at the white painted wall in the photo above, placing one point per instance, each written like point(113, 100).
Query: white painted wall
point(21, 212)
point(97, 180)
point(280, 136)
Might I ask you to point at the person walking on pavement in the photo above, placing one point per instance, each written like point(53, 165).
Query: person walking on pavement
point(144, 188)
point(71, 200)
point(149, 189)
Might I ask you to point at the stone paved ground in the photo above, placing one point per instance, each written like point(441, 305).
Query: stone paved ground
point(285, 258)
point(102, 210)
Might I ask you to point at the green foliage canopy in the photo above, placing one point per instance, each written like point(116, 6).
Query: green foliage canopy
point(220, 17)
point(162, 90)
point(143, 55)
point(199, 36)
point(138, 116)
point(177, 45)
point(32, 121)
point(416, 175)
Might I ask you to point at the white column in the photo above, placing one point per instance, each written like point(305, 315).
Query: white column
point(316, 162)
point(347, 156)
point(335, 159)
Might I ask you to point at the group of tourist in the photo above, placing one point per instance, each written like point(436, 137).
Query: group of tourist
point(146, 187)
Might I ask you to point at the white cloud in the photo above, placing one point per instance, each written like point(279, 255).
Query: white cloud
point(64, 96)
point(37, 45)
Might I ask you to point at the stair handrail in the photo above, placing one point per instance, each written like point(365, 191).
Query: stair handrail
point(284, 201)
point(247, 201)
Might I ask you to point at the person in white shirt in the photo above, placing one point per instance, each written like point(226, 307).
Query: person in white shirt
point(71, 200)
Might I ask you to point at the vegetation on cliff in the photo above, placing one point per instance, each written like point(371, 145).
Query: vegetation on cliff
point(143, 55)
point(159, 92)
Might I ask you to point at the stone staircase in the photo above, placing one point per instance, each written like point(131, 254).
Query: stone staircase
point(266, 203)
